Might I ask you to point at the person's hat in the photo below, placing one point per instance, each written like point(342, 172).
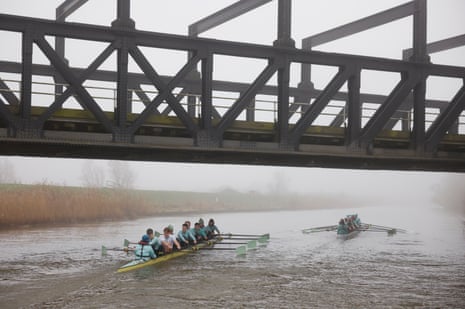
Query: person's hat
point(145, 238)
point(201, 221)
point(170, 227)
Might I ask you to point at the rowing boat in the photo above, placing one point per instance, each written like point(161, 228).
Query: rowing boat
point(137, 264)
point(351, 234)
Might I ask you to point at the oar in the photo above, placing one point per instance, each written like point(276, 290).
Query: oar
point(105, 249)
point(229, 235)
point(231, 243)
point(320, 228)
point(214, 248)
point(387, 228)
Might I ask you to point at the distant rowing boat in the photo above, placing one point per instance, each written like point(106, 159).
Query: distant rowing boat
point(351, 226)
point(137, 264)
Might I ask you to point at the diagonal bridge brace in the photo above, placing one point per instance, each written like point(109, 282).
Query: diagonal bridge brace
point(83, 77)
point(388, 108)
point(444, 121)
point(165, 91)
point(315, 109)
point(86, 99)
point(244, 100)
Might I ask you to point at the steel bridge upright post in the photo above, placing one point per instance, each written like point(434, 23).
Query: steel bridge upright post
point(123, 21)
point(419, 92)
point(285, 40)
point(26, 77)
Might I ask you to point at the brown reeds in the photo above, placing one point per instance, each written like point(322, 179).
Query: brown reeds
point(44, 204)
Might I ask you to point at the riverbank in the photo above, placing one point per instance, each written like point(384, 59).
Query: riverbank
point(57, 205)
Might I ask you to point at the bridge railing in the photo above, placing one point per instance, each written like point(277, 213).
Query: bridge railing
point(334, 111)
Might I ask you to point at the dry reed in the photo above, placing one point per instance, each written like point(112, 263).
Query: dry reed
point(44, 204)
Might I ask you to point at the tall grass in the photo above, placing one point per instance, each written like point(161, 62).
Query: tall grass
point(44, 204)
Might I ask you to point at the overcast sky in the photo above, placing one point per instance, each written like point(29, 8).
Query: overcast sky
point(445, 19)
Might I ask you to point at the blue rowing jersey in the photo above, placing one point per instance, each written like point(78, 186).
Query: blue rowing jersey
point(144, 252)
point(184, 237)
point(211, 229)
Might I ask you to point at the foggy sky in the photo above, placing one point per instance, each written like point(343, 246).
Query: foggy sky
point(445, 19)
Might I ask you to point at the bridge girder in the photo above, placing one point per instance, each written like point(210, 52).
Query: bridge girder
point(207, 135)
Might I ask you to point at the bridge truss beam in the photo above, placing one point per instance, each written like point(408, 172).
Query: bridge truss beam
point(209, 133)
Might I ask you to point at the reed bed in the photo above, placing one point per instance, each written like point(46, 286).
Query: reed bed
point(45, 204)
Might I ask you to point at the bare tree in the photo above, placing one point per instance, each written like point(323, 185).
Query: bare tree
point(92, 175)
point(7, 172)
point(121, 176)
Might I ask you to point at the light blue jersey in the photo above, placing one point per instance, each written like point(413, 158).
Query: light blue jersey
point(144, 252)
point(185, 237)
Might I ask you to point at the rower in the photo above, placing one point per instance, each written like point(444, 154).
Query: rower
point(342, 227)
point(168, 240)
point(144, 250)
point(211, 228)
point(154, 241)
point(185, 237)
point(199, 233)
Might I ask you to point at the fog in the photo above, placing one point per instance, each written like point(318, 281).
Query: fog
point(445, 19)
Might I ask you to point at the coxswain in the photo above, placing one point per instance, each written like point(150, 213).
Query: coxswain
point(144, 250)
point(168, 241)
point(211, 229)
point(185, 237)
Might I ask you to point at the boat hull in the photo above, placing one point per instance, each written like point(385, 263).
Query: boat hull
point(349, 235)
point(137, 264)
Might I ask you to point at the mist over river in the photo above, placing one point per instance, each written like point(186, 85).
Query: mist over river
point(62, 266)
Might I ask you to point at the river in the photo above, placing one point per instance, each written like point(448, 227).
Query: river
point(62, 267)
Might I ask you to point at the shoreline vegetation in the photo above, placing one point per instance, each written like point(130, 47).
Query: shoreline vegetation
point(36, 205)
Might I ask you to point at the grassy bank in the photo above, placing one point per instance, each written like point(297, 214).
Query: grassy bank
point(45, 204)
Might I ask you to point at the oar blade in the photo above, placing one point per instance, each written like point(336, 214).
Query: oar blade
point(263, 240)
point(241, 250)
point(126, 243)
point(104, 251)
point(251, 245)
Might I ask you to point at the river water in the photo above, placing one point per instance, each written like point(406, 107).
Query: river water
point(61, 267)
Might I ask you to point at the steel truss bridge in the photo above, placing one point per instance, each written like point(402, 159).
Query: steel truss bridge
point(184, 121)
